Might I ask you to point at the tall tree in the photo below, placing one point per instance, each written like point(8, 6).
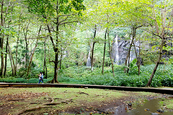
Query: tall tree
point(104, 52)
point(62, 13)
point(6, 14)
point(2, 38)
point(162, 14)
point(93, 44)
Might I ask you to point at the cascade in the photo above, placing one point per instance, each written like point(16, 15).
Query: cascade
point(88, 60)
point(116, 50)
point(120, 49)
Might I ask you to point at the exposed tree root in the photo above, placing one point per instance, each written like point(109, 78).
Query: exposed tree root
point(52, 103)
point(54, 81)
point(31, 109)
point(15, 99)
point(44, 105)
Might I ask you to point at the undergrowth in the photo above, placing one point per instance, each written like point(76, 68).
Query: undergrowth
point(84, 75)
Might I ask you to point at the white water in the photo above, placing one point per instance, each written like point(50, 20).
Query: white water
point(88, 60)
point(116, 50)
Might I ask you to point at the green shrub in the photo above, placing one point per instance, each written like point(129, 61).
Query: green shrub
point(83, 75)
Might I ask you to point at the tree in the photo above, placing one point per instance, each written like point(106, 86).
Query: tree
point(101, 12)
point(61, 13)
point(7, 10)
point(32, 53)
point(2, 38)
point(162, 15)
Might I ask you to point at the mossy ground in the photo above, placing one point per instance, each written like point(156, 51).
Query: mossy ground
point(63, 100)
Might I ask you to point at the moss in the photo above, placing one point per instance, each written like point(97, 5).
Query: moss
point(85, 99)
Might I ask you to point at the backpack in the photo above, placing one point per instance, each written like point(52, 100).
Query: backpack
point(42, 76)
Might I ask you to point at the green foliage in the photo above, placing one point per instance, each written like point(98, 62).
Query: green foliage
point(133, 69)
point(39, 6)
point(42, 7)
point(22, 80)
point(83, 75)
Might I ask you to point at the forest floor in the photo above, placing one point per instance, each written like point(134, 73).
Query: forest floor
point(47, 101)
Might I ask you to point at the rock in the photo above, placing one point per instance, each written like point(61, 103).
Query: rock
point(160, 110)
point(129, 104)
point(86, 87)
point(146, 109)
point(154, 114)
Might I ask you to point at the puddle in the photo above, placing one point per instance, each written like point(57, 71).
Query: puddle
point(150, 108)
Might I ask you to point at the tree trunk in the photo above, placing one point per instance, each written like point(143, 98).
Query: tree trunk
point(32, 54)
point(6, 57)
point(26, 47)
point(44, 65)
point(139, 59)
point(128, 54)
point(2, 40)
point(17, 42)
point(61, 58)
point(13, 67)
point(56, 47)
point(16, 54)
point(92, 51)
point(110, 53)
point(92, 56)
point(104, 53)
point(157, 63)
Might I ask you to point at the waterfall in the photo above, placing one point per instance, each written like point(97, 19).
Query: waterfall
point(116, 50)
point(88, 60)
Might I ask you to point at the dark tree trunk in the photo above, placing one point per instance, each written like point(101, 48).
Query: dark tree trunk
point(56, 47)
point(92, 56)
point(157, 63)
point(104, 52)
point(61, 58)
point(25, 31)
point(26, 54)
point(2, 40)
point(128, 54)
point(92, 51)
point(6, 57)
point(110, 53)
point(44, 65)
point(139, 61)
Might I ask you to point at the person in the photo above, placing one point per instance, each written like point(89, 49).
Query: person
point(40, 77)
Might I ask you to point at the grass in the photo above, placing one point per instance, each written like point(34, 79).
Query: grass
point(168, 103)
point(83, 99)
